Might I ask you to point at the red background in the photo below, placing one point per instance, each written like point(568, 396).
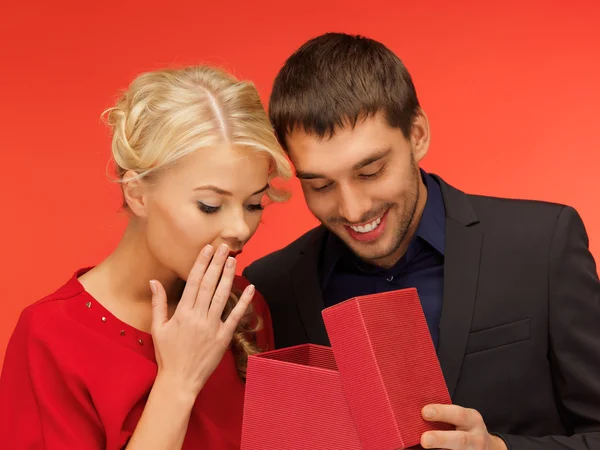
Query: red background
point(511, 90)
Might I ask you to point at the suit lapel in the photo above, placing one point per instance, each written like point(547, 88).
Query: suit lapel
point(307, 290)
point(461, 273)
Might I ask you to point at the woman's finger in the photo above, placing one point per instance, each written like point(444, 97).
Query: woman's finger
point(209, 281)
point(239, 310)
point(192, 285)
point(159, 304)
point(223, 291)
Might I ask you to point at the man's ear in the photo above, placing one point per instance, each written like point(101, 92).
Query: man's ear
point(420, 136)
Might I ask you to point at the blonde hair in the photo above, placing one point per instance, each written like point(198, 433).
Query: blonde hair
point(167, 114)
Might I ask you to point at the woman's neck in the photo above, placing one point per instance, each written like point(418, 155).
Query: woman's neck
point(121, 282)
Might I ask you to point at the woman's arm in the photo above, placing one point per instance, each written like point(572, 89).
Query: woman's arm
point(189, 347)
point(164, 422)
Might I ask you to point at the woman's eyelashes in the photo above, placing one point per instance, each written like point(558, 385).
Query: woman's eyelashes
point(207, 209)
point(255, 207)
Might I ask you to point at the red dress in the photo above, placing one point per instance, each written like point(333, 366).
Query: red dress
point(76, 377)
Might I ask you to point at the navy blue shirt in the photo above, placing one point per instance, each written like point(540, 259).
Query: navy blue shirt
point(343, 275)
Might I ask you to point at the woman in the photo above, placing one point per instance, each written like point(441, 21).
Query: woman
point(126, 354)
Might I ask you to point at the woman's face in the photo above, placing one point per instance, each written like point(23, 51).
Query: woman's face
point(212, 196)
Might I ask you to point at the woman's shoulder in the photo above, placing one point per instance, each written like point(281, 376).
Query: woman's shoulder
point(49, 313)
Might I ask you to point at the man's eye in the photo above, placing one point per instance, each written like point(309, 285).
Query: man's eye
point(321, 188)
point(373, 174)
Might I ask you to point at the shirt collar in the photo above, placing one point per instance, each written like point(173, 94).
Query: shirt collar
point(432, 227)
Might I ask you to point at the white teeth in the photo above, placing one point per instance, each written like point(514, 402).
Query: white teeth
point(368, 227)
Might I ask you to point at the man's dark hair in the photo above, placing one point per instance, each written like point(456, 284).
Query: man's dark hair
point(336, 79)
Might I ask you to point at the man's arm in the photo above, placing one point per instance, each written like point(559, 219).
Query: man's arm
point(574, 328)
point(574, 354)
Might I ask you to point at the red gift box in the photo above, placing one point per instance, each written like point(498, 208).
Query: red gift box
point(366, 392)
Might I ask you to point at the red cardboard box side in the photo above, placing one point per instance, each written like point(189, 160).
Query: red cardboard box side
point(399, 344)
point(295, 400)
point(407, 358)
point(365, 392)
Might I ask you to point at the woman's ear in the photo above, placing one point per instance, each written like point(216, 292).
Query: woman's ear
point(135, 193)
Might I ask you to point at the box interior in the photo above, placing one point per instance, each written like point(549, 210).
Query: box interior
point(305, 355)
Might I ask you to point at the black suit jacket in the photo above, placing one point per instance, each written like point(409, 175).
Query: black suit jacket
point(520, 325)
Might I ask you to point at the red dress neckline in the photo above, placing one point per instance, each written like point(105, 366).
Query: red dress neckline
point(91, 313)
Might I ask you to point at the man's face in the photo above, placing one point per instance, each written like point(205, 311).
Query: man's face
point(364, 184)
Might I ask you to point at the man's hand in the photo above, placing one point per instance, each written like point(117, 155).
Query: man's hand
point(470, 433)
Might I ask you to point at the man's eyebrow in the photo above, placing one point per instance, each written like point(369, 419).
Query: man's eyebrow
point(379, 154)
point(372, 158)
point(309, 175)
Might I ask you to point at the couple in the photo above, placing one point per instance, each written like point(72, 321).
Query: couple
point(128, 355)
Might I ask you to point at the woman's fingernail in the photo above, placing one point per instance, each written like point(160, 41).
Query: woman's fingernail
point(207, 251)
point(251, 289)
point(153, 286)
point(223, 250)
point(230, 262)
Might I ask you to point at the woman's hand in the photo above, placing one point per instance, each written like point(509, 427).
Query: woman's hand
point(190, 345)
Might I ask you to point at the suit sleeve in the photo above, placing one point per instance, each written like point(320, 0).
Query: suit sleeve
point(574, 328)
point(38, 403)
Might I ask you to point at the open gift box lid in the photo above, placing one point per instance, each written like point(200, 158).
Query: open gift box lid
point(365, 392)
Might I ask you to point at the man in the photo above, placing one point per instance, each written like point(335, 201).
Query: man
point(508, 287)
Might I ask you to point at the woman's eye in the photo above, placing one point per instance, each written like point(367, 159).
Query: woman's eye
point(255, 207)
point(207, 209)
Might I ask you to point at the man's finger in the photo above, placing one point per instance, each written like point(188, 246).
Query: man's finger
point(461, 418)
point(453, 440)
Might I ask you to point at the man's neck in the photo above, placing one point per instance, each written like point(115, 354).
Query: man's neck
point(391, 260)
